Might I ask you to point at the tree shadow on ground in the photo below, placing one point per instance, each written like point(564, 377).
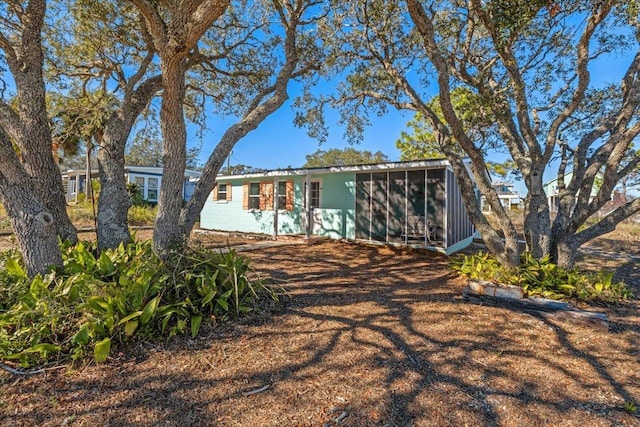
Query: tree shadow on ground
point(367, 336)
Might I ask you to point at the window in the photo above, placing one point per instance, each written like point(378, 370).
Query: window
point(254, 195)
point(222, 192)
point(139, 182)
point(152, 190)
point(282, 194)
point(260, 195)
point(315, 194)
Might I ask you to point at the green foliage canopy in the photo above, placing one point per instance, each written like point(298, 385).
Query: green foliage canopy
point(421, 143)
point(343, 157)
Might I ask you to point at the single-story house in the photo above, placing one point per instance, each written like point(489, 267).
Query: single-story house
point(414, 203)
point(147, 178)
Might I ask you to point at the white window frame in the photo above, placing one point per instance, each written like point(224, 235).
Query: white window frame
point(142, 181)
point(282, 195)
point(253, 196)
point(141, 184)
point(156, 188)
point(313, 181)
point(220, 199)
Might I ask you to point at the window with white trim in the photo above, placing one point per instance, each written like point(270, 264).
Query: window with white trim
point(282, 194)
point(315, 194)
point(254, 195)
point(222, 191)
point(139, 182)
point(152, 189)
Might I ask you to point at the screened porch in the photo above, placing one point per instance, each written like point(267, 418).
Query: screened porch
point(419, 207)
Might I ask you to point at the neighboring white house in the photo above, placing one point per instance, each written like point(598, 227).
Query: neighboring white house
point(551, 190)
point(147, 178)
point(509, 198)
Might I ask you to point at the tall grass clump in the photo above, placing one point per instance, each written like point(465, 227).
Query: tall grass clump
point(143, 214)
point(98, 301)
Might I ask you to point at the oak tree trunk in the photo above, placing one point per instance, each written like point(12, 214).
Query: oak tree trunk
point(567, 250)
point(537, 226)
point(167, 232)
point(34, 226)
point(35, 140)
point(31, 187)
point(114, 202)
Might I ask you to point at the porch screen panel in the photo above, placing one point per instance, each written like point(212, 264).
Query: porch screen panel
point(452, 212)
point(415, 206)
point(379, 206)
point(461, 227)
point(397, 206)
point(435, 202)
point(363, 205)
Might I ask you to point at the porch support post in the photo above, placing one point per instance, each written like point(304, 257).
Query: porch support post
point(308, 203)
point(445, 208)
point(426, 208)
point(406, 207)
point(275, 206)
point(75, 199)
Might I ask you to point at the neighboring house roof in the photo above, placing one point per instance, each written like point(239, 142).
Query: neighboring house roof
point(617, 199)
point(151, 170)
point(376, 167)
point(159, 170)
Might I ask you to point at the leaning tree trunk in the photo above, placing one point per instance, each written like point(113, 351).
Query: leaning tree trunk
point(114, 201)
point(167, 232)
point(31, 190)
point(35, 144)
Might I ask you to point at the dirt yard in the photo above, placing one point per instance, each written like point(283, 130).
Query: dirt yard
point(365, 336)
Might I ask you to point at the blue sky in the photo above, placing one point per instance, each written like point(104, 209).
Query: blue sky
point(277, 143)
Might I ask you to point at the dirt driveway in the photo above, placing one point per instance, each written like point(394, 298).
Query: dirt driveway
point(366, 336)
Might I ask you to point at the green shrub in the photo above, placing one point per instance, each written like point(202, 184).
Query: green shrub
point(143, 214)
point(5, 221)
point(135, 194)
point(97, 302)
point(541, 277)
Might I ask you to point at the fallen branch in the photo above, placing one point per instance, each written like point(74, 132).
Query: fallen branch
point(15, 371)
point(342, 417)
point(256, 391)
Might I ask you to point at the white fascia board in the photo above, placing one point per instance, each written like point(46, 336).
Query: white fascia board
point(379, 167)
point(158, 170)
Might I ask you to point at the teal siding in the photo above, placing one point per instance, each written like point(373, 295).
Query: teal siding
point(292, 222)
point(336, 216)
point(397, 196)
point(229, 215)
